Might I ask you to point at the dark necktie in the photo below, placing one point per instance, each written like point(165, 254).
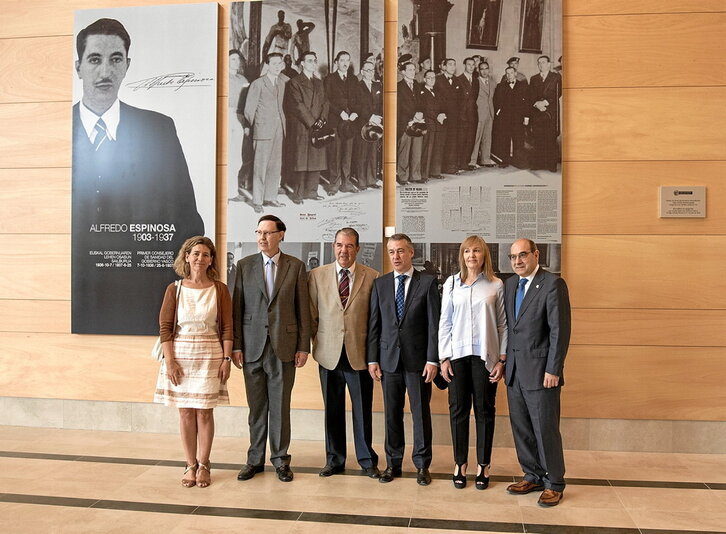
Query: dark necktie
point(400, 295)
point(519, 297)
point(101, 134)
point(344, 287)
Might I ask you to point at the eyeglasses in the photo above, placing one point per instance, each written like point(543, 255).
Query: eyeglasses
point(519, 256)
point(366, 70)
point(260, 233)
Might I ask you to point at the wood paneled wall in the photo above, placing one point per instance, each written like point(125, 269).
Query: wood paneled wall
point(645, 87)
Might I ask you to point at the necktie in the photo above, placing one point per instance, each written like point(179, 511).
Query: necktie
point(519, 297)
point(410, 85)
point(101, 134)
point(400, 295)
point(344, 287)
point(270, 277)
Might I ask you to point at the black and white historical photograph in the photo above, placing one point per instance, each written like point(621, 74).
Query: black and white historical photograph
point(144, 149)
point(479, 125)
point(305, 115)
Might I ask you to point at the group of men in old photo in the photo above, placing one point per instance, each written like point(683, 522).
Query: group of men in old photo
point(449, 124)
point(362, 328)
point(305, 128)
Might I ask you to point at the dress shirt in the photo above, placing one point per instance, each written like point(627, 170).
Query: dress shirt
point(407, 282)
point(529, 280)
point(272, 78)
point(473, 320)
point(111, 117)
point(276, 262)
point(351, 273)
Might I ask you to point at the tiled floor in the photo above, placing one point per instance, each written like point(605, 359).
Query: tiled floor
point(79, 481)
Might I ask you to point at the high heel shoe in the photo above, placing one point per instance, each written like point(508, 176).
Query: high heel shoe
point(458, 478)
point(188, 483)
point(203, 483)
point(482, 477)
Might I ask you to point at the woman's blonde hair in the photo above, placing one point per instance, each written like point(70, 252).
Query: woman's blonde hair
point(470, 242)
point(181, 267)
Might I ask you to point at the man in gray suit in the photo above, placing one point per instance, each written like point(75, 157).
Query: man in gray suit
point(271, 339)
point(538, 320)
point(482, 152)
point(263, 110)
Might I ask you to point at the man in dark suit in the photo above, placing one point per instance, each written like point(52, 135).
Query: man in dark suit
point(403, 354)
point(545, 90)
point(448, 90)
point(368, 105)
point(263, 111)
point(271, 339)
point(340, 92)
point(231, 272)
point(131, 192)
point(469, 83)
point(510, 118)
point(340, 295)
point(538, 320)
point(433, 148)
point(306, 108)
point(409, 112)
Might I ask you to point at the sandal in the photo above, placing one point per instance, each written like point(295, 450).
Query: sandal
point(459, 479)
point(482, 477)
point(203, 483)
point(188, 483)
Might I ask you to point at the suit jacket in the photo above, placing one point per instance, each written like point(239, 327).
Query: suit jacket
point(340, 95)
point(263, 109)
point(551, 90)
point(304, 103)
point(331, 324)
point(413, 340)
point(538, 339)
point(467, 97)
point(431, 108)
point(140, 178)
point(285, 317)
point(510, 103)
point(408, 105)
point(449, 95)
point(366, 103)
point(485, 100)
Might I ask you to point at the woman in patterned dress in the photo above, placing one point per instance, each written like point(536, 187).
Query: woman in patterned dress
point(196, 335)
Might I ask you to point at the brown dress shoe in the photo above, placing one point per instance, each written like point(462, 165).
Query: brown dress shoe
point(550, 498)
point(523, 487)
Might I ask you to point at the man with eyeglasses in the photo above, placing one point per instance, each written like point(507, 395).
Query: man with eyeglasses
point(538, 321)
point(271, 339)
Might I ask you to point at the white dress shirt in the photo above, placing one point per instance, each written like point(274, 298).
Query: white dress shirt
point(111, 118)
point(473, 321)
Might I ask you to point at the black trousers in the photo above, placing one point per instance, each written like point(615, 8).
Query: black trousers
point(395, 386)
point(360, 387)
point(470, 386)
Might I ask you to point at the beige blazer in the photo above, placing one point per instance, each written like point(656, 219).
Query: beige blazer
point(331, 324)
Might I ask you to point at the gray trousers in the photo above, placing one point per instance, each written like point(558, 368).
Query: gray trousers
point(268, 384)
point(535, 418)
point(267, 168)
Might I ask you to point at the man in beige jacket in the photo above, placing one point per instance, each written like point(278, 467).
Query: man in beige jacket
point(339, 300)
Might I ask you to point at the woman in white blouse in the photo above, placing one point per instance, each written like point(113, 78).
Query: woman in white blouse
point(472, 350)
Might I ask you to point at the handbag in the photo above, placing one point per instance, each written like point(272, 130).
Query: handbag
point(157, 353)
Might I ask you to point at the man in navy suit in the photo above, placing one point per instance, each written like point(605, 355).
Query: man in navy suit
point(538, 321)
point(131, 192)
point(545, 90)
point(403, 354)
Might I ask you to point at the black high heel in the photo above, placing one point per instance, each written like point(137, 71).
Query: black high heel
point(481, 480)
point(458, 479)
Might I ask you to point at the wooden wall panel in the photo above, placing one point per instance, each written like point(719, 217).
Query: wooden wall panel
point(599, 197)
point(670, 328)
point(36, 70)
point(574, 8)
point(645, 383)
point(35, 135)
point(35, 201)
point(36, 316)
point(39, 267)
point(672, 123)
point(661, 272)
point(669, 50)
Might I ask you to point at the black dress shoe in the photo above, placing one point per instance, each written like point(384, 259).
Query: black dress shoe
point(248, 471)
point(297, 200)
point(314, 197)
point(258, 208)
point(372, 472)
point(349, 189)
point(330, 470)
point(389, 474)
point(423, 477)
point(284, 473)
point(374, 186)
point(273, 204)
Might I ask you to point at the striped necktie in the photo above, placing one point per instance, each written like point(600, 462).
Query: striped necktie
point(344, 287)
point(101, 134)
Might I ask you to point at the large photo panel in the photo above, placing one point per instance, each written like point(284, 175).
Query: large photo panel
point(305, 116)
point(479, 128)
point(144, 156)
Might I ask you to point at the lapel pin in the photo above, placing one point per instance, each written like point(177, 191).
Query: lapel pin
point(537, 286)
